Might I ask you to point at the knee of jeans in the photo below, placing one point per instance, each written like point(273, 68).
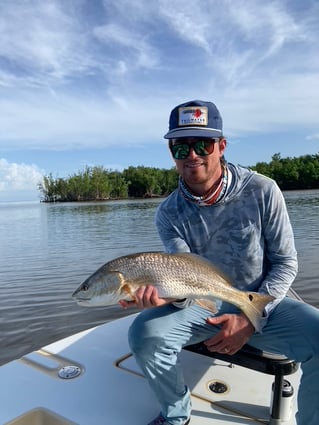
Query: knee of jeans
point(135, 336)
point(140, 337)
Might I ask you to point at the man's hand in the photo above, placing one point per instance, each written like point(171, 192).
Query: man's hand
point(146, 297)
point(236, 329)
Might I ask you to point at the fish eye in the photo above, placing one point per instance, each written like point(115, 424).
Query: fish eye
point(85, 287)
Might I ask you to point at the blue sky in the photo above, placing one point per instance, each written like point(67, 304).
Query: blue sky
point(92, 82)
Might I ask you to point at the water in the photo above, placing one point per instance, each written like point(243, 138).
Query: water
point(303, 207)
point(46, 250)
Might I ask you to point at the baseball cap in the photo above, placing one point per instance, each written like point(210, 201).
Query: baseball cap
point(195, 118)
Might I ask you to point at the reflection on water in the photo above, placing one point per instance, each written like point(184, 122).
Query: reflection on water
point(48, 249)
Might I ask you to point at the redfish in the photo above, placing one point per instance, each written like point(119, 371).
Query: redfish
point(176, 276)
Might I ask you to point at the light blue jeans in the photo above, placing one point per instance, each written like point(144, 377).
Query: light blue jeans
point(157, 336)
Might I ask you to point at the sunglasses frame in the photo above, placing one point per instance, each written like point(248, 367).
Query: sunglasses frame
point(185, 147)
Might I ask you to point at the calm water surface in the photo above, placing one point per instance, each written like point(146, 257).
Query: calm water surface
point(46, 250)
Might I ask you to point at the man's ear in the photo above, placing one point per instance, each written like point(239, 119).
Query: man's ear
point(222, 146)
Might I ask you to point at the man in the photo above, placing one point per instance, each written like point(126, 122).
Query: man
point(238, 220)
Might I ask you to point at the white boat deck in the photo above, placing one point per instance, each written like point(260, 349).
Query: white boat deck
point(110, 389)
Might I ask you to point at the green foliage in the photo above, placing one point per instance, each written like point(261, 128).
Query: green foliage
point(292, 173)
point(98, 183)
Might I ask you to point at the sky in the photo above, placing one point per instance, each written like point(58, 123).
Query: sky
point(92, 82)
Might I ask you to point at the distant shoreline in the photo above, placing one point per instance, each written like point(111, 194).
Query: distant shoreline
point(141, 198)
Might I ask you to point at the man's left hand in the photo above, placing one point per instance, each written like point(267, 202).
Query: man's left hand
point(236, 329)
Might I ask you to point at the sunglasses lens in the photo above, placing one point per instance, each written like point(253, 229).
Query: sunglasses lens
point(180, 151)
point(201, 148)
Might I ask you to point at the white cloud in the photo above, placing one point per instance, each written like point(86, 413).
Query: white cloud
point(136, 48)
point(250, 38)
point(40, 42)
point(21, 177)
point(66, 122)
point(192, 24)
point(83, 74)
point(313, 137)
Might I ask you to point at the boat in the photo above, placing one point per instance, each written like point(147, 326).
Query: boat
point(91, 378)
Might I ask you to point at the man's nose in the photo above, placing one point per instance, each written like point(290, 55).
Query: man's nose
point(192, 153)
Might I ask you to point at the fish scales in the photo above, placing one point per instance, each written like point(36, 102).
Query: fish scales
point(181, 275)
point(173, 275)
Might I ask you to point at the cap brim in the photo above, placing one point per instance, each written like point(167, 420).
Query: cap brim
point(193, 132)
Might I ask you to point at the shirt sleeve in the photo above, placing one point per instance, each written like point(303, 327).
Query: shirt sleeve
point(169, 234)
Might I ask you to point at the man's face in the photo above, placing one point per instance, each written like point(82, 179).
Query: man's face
point(199, 170)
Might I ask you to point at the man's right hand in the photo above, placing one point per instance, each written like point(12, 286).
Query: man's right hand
point(146, 297)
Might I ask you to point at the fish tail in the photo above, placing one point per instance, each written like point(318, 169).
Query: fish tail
point(255, 306)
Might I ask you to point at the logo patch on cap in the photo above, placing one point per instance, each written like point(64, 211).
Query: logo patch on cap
point(192, 115)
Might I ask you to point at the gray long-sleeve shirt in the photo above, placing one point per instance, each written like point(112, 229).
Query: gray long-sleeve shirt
point(247, 235)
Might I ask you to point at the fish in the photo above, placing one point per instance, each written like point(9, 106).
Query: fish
point(176, 276)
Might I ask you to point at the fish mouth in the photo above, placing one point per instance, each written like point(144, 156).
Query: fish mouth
point(82, 301)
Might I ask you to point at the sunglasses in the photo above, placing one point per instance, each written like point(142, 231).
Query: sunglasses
point(181, 150)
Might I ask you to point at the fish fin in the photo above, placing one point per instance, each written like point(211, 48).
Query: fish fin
point(127, 289)
point(255, 307)
point(208, 304)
